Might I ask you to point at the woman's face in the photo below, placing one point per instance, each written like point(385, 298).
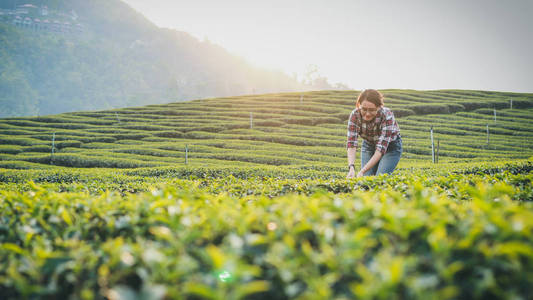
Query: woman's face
point(368, 110)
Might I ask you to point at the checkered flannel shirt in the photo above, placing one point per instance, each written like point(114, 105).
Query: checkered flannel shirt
point(379, 132)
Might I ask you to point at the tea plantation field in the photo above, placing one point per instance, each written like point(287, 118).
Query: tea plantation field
point(291, 130)
point(246, 198)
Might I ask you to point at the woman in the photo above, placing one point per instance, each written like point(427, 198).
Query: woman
point(382, 144)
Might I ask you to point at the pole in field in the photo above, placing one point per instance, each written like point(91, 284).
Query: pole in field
point(186, 154)
point(53, 142)
point(432, 146)
point(53, 147)
point(301, 98)
point(488, 134)
point(494, 114)
point(511, 104)
point(251, 120)
point(438, 146)
point(116, 115)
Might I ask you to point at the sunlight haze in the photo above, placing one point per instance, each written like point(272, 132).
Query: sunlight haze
point(483, 45)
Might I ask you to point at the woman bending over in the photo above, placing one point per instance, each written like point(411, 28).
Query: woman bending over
point(381, 148)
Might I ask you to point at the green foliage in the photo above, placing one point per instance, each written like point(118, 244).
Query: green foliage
point(67, 143)
point(130, 136)
point(10, 149)
point(424, 109)
point(416, 235)
point(257, 213)
point(22, 141)
point(38, 148)
point(15, 164)
point(98, 139)
point(83, 161)
point(402, 112)
point(262, 213)
point(120, 59)
point(281, 134)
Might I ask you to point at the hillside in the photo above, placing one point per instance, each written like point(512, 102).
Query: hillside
point(93, 55)
point(263, 210)
point(292, 130)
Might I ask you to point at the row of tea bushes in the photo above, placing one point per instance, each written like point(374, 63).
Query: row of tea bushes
point(180, 242)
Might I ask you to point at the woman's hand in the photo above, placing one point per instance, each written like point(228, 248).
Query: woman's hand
point(360, 174)
point(351, 173)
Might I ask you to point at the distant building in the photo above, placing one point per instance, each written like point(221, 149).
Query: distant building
point(21, 11)
point(28, 6)
point(17, 21)
point(25, 9)
point(24, 16)
point(28, 22)
point(66, 28)
point(37, 24)
point(56, 26)
point(45, 25)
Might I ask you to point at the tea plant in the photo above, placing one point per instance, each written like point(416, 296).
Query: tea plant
point(180, 241)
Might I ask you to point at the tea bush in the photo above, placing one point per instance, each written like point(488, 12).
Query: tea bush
point(283, 120)
point(181, 242)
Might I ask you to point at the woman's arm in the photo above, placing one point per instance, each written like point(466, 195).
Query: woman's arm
point(370, 164)
point(351, 161)
point(351, 143)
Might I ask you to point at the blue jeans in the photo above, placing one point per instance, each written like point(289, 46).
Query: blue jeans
point(387, 163)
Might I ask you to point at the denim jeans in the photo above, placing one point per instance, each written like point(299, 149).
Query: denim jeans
point(387, 163)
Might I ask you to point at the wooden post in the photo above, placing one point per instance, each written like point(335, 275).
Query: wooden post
point(438, 146)
point(488, 134)
point(186, 154)
point(511, 104)
point(494, 114)
point(116, 115)
point(53, 148)
point(53, 142)
point(251, 120)
point(301, 98)
point(432, 146)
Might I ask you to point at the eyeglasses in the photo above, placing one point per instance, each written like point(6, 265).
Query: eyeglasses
point(369, 110)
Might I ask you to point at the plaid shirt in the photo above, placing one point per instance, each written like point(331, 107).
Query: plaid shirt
point(379, 132)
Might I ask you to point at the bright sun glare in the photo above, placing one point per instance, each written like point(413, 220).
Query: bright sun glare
point(385, 44)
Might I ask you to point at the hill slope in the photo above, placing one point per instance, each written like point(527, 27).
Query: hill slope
point(118, 58)
point(230, 225)
point(293, 130)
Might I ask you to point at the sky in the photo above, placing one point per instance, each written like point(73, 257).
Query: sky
point(380, 44)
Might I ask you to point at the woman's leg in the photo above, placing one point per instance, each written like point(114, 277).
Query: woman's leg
point(367, 152)
point(390, 160)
